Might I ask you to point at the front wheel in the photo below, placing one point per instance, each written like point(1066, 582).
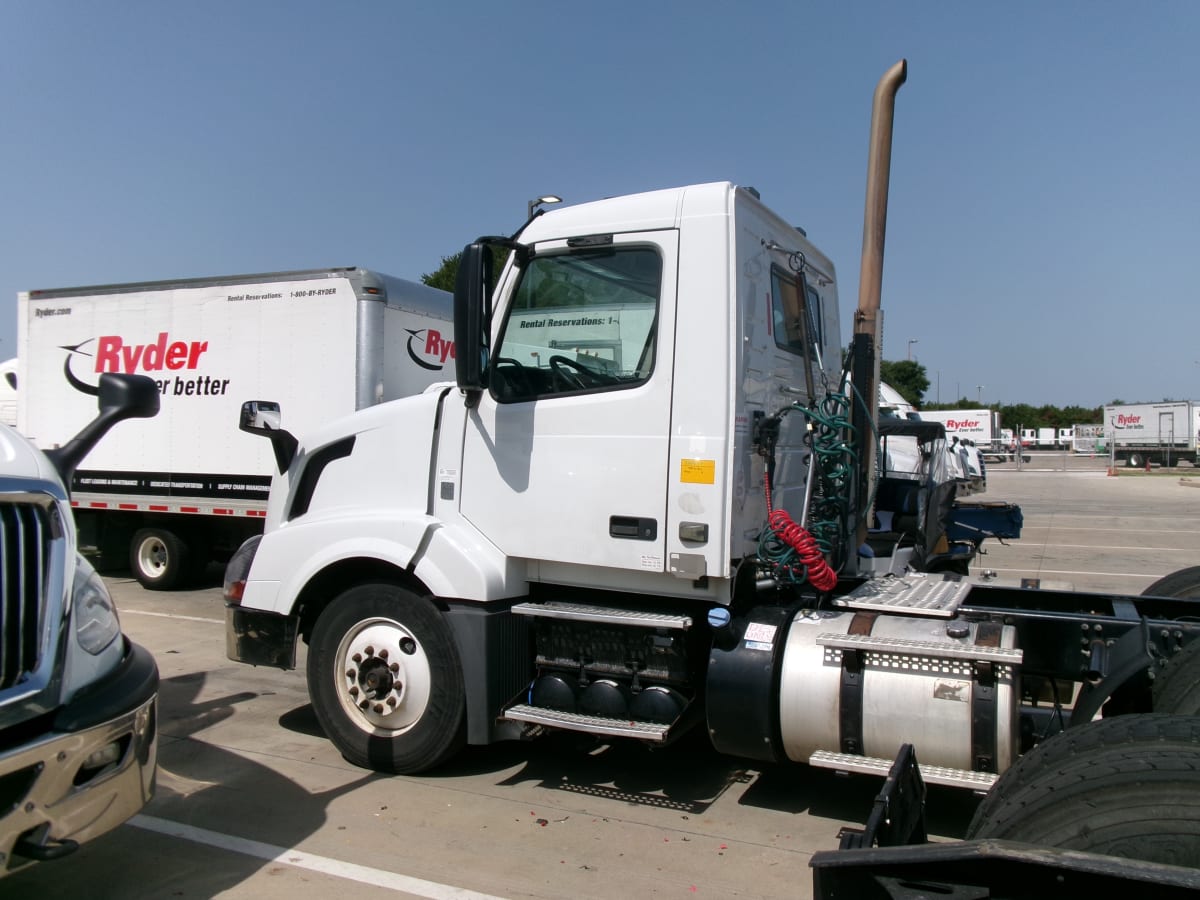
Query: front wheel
point(386, 681)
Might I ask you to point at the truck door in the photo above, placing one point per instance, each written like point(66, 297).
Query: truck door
point(565, 456)
point(1166, 433)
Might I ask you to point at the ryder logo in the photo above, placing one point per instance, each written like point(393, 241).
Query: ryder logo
point(114, 354)
point(1123, 421)
point(962, 424)
point(428, 349)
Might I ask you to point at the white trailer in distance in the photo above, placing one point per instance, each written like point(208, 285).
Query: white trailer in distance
point(171, 493)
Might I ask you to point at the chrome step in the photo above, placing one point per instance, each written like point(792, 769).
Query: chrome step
point(932, 649)
point(914, 593)
point(871, 765)
point(553, 718)
point(580, 612)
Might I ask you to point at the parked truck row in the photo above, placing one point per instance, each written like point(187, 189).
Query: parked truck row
point(646, 502)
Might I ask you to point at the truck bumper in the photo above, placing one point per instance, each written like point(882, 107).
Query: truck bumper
point(92, 769)
point(260, 638)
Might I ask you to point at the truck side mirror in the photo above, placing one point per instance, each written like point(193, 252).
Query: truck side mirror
point(265, 418)
point(119, 397)
point(471, 290)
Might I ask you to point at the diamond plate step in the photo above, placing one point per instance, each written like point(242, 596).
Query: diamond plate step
point(553, 718)
point(935, 649)
point(916, 594)
point(870, 765)
point(580, 612)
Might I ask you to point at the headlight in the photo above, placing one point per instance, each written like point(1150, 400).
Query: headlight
point(96, 623)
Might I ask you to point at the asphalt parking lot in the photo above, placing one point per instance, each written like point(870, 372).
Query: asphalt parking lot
point(253, 802)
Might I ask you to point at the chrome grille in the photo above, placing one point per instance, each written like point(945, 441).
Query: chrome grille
point(28, 528)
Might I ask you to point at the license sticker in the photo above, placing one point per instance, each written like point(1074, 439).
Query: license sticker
point(698, 471)
point(760, 632)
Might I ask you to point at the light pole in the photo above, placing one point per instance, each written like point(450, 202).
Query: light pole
point(979, 393)
point(911, 341)
point(549, 198)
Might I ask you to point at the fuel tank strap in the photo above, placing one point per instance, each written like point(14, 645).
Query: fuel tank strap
point(983, 701)
point(850, 703)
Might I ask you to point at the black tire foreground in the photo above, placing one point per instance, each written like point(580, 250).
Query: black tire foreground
point(440, 730)
point(1127, 786)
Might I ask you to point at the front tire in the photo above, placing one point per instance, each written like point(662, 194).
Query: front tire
point(386, 681)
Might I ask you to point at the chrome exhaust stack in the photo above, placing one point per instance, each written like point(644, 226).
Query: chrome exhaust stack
point(866, 344)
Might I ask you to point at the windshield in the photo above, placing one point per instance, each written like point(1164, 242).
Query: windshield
point(580, 321)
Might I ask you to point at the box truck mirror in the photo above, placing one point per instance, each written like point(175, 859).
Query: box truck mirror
point(471, 292)
point(265, 418)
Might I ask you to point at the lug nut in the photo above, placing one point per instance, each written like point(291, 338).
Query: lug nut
point(370, 651)
point(378, 707)
point(365, 705)
point(391, 701)
point(354, 690)
point(357, 657)
point(351, 673)
point(383, 654)
point(395, 667)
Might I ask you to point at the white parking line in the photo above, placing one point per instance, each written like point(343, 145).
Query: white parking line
point(323, 864)
point(160, 615)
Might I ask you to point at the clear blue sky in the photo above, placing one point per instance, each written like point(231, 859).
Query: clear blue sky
point(1045, 206)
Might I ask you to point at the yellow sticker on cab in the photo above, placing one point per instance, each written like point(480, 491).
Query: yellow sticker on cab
point(698, 471)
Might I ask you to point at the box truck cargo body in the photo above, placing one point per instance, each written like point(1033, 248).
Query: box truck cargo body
point(174, 492)
point(1163, 433)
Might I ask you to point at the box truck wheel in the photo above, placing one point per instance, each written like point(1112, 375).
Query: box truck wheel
point(386, 681)
point(1134, 460)
point(1127, 786)
point(158, 559)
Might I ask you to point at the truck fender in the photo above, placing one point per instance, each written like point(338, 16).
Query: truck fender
point(289, 559)
point(454, 560)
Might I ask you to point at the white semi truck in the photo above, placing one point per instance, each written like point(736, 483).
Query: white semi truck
point(645, 505)
point(78, 734)
point(1162, 433)
point(173, 493)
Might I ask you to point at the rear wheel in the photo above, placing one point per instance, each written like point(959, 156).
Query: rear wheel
point(1177, 688)
point(1127, 786)
point(386, 680)
point(159, 559)
point(1184, 583)
point(1135, 461)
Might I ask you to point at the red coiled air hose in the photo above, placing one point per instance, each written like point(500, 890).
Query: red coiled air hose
point(820, 574)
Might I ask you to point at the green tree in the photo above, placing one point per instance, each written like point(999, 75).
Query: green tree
point(444, 277)
point(447, 273)
point(907, 377)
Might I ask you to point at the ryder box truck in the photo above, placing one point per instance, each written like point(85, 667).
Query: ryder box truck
point(177, 491)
